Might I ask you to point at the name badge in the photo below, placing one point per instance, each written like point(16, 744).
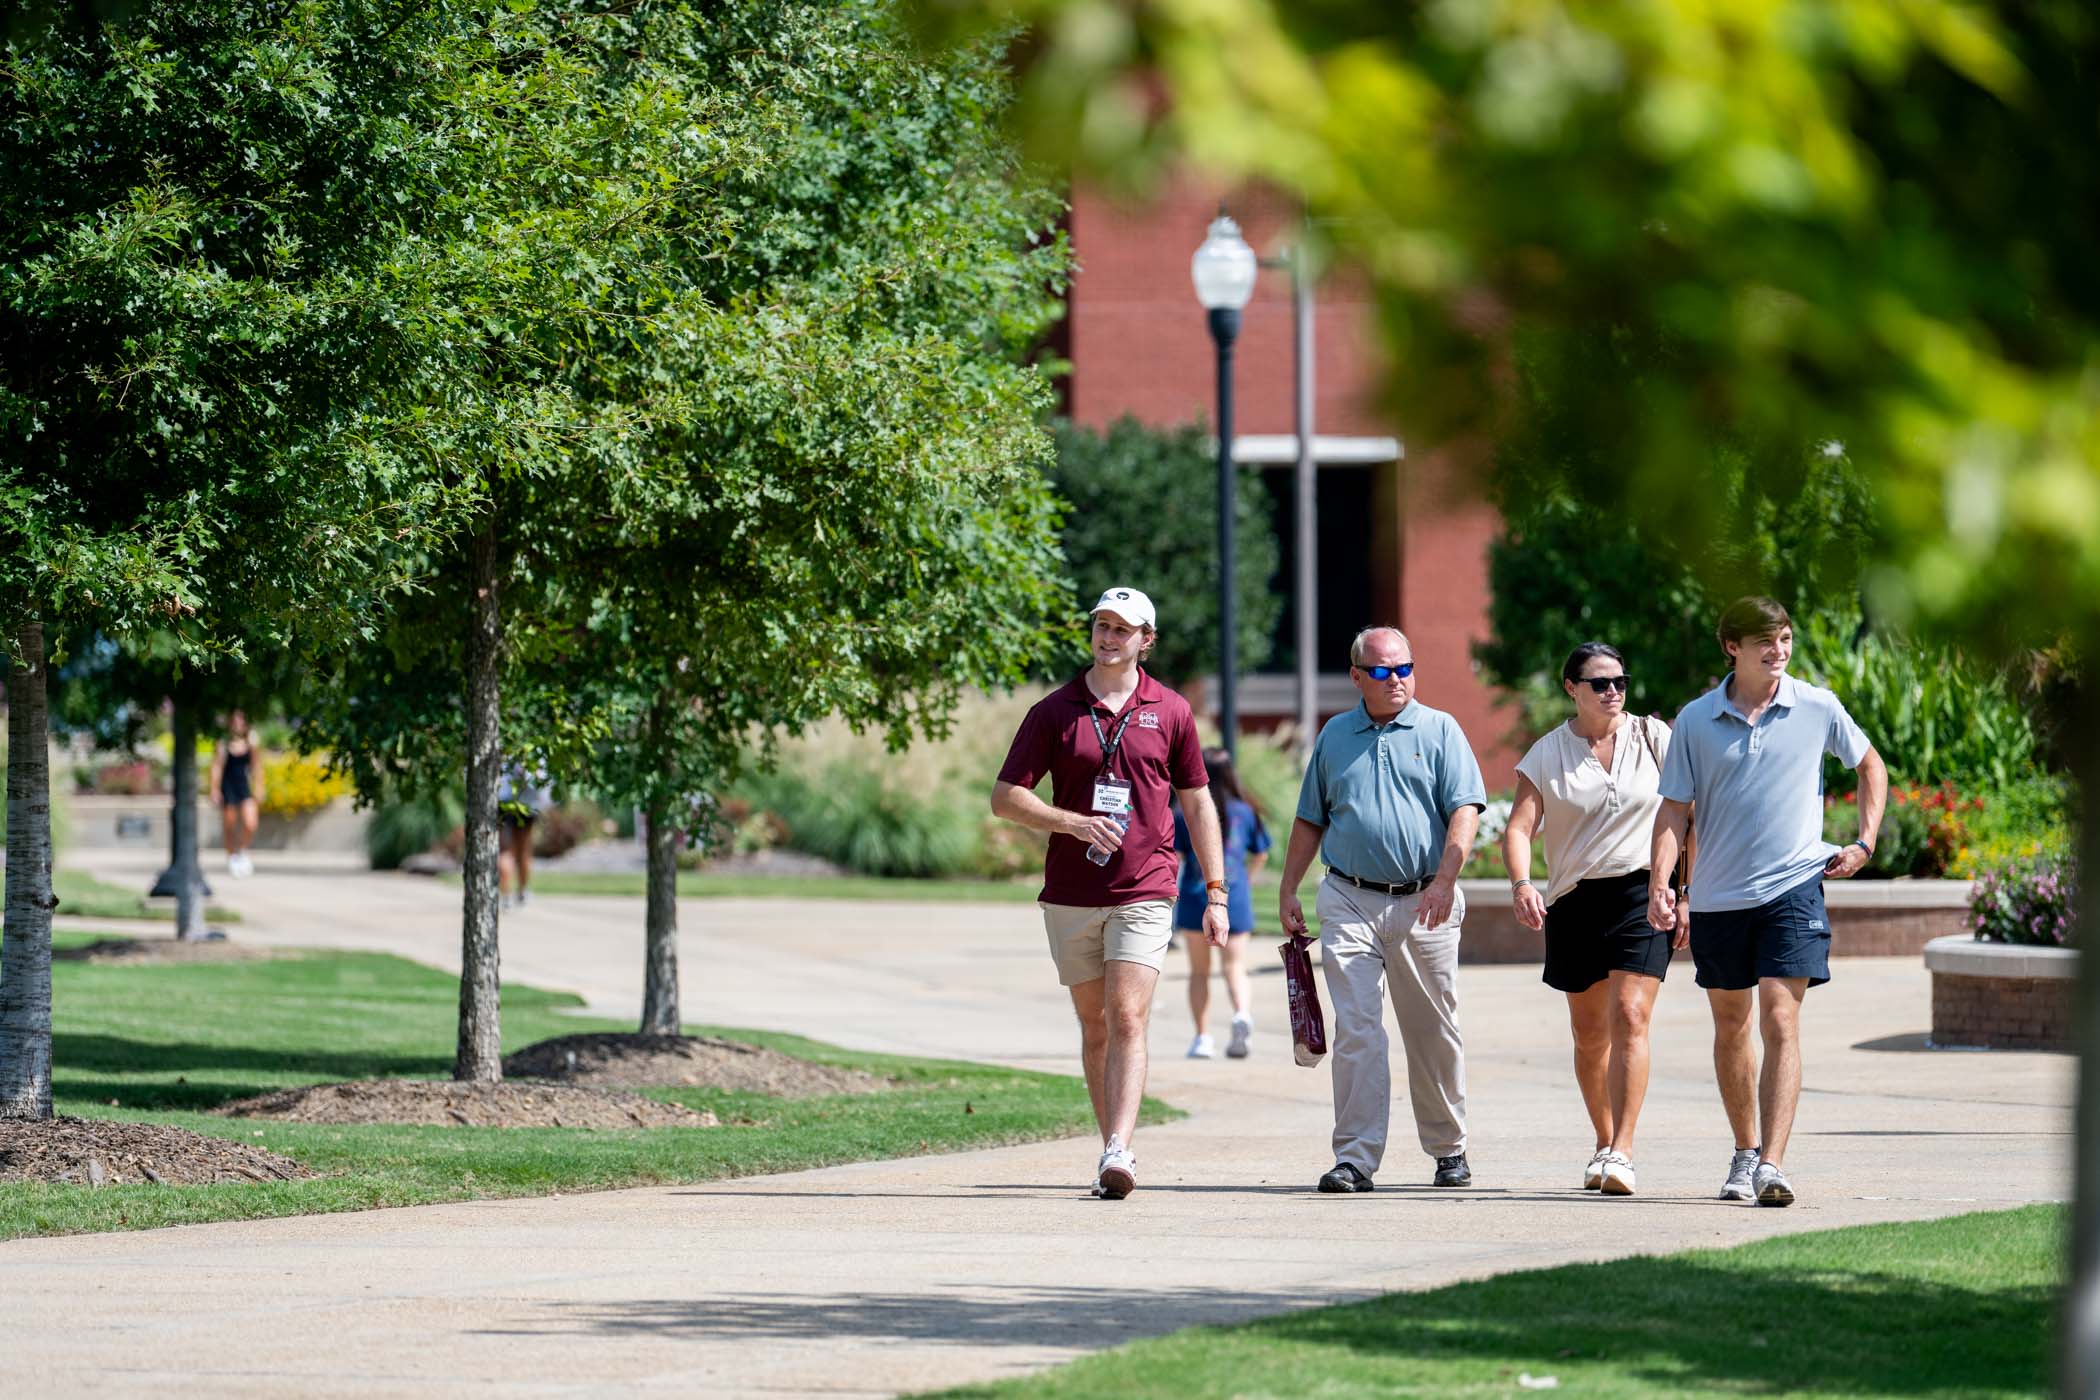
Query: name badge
point(1111, 795)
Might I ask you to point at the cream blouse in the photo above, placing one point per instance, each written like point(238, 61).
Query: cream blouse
point(1597, 823)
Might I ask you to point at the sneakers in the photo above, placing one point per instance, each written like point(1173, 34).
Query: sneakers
point(1773, 1189)
point(1453, 1171)
point(1202, 1048)
point(1344, 1179)
point(1741, 1168)
point(239, 866)
point(524, 897)
point(1618, 1175)
point(1118, 1175)
point(1593, 1174)
point(1242, 1032)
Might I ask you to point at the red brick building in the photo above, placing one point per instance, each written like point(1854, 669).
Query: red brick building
point(1398, 543)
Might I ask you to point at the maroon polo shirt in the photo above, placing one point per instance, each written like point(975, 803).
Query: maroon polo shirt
point(1159, 753)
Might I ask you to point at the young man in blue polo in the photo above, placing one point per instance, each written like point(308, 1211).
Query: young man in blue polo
point(1748, 757)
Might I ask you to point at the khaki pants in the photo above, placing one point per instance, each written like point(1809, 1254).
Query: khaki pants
point(1367, 941)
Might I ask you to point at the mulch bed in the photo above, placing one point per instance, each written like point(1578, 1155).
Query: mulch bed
point(97, 1152)
point(164, 950)
point(684, 1061)
point(450, 1104)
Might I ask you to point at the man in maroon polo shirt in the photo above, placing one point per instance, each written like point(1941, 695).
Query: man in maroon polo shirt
point(1115, 742)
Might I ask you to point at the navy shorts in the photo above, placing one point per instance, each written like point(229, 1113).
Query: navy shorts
point(1784, 937)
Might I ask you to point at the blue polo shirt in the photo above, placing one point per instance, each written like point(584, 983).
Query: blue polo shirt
point(1757, 789)
point(1386, 792)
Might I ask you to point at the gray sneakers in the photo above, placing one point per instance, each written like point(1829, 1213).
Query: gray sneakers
point(1773, 1189)
point(1118, 1175)
point(1742, 1169)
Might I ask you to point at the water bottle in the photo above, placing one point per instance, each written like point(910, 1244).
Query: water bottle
point(1098, 854)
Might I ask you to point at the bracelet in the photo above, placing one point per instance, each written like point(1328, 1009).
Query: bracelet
point(1857, 841)
point(1516, 885)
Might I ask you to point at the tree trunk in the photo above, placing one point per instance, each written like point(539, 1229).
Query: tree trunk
point(660, 958)
point(2081, 1331)
point(480, 1056)
point(183, 878)
point(25, 946)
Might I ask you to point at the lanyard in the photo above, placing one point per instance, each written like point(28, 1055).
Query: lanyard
point(1109, 745)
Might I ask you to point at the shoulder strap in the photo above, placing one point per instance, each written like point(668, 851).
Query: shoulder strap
point(1648, 738)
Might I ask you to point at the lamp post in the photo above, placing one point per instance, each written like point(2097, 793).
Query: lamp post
point(1223, 270)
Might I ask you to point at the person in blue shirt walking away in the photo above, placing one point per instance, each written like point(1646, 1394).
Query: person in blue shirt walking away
point(1750, 753)
point(1246, 847)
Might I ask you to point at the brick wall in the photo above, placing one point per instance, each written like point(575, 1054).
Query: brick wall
point(2002, 1013)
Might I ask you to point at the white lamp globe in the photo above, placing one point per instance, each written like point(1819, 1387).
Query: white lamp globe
point(1223, 267)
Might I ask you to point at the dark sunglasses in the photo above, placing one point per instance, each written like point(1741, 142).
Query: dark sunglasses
point(1386, 673)
point(1601, 684)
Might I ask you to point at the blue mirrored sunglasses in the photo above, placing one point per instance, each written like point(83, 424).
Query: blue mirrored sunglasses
point(1386, 673)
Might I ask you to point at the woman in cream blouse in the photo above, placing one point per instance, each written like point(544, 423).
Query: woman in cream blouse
point(1590, 787)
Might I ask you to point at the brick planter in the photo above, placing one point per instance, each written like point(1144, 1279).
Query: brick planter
point(2001, 996)
point(1868, 919)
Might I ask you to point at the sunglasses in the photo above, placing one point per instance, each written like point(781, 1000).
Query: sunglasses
point(1602, 684)
point(1386, 673)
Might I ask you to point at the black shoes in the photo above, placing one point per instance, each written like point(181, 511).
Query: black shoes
point(1345, 1178)
point(1453, 1171)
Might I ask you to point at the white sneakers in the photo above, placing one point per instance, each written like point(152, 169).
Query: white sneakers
point(1773, 1189)
point(239, 866)
point(1117, 1176)
point(1242, 1032)
point(1742, 1171)
point(1593, 1174)
point(1202, 1048)
point(1617, 1175)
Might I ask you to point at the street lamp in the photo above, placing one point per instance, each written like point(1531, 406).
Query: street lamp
point(1223, 270)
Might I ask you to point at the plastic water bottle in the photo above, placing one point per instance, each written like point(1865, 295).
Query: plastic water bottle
point(1099, 854)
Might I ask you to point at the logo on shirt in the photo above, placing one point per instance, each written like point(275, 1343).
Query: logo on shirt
point(1148, 719)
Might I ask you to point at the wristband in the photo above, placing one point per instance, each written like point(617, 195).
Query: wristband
point(1516, 885)
point(1856, 841)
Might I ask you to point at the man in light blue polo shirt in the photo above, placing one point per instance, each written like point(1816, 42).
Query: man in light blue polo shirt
point(1391, 802)
point(1749, 754)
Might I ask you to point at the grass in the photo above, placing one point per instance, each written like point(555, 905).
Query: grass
point(1963, 1306)
point(85, 896)
point(165, 1043)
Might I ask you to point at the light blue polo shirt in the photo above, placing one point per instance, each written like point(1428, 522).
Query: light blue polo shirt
point(1386, 792)
point(1757, 791)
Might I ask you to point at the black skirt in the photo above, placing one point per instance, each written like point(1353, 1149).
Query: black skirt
point(1601, 927)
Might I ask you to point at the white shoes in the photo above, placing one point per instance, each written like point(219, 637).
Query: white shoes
point(1593, 1174)
point(1242, 1032)
point(239, 866)
point(1202, 1048)
point(1617, 1175)
point(1773, 1189)
point(1117, 1177)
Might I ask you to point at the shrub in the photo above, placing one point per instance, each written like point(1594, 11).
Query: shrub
point(127, 777)
point(1922, 833)
point(561, 828)
point(2031, 903)
point(872, 824)
point(297, 785)
point(412, 826)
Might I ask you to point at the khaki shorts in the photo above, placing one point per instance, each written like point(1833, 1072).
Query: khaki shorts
point(1084, 940)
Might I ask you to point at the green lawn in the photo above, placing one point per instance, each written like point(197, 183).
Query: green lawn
point(163, 1043)
point(1958, 1307)
point(90, 897)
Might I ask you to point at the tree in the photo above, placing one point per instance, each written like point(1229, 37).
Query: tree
point(1144, 509)
point(202, 214)
point(1799, 225)
point(852, 520)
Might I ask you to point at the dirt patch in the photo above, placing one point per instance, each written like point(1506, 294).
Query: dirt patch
point(449, 1104)
point(96, 1152)
point(632, 1061)
point(117, 949)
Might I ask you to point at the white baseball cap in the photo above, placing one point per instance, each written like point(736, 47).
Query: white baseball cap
point(1130, 605)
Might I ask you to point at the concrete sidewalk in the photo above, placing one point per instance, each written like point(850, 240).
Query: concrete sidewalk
point(890, 1276)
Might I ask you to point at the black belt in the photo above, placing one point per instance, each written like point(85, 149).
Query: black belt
point(1400, 890)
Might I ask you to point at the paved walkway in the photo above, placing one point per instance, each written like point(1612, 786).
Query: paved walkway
point(893, 1276)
